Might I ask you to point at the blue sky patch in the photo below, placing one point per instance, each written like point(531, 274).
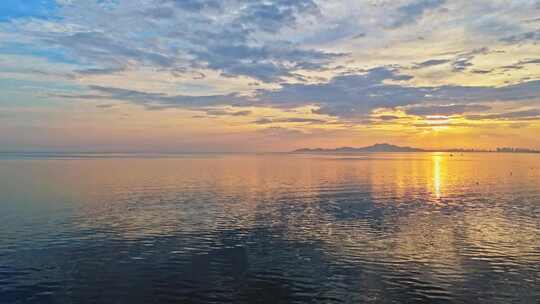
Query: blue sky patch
point(13, 9)
point(51, 54)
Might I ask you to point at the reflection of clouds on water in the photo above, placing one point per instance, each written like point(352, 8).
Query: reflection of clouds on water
point(284, 228)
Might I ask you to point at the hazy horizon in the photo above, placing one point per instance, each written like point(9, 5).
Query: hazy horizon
point(494, 149)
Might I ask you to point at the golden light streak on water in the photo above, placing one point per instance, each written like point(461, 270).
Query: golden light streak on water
point(437, 159)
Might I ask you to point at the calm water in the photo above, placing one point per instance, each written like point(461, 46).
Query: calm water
point(376, 228)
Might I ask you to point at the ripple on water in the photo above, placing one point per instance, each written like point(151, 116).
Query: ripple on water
point(271, 229)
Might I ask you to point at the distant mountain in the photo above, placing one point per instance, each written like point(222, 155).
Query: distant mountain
point(373, 148)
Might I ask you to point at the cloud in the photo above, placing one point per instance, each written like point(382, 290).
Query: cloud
point(446, 110)
point(388, 117)
point(431, 62)
point(272, 16)
point(97, 71)
point(97, 46)
point(358, 94)
point(287, 47)
point(533, 20)
point(410, 13)
point(157, 100)
point(522, 91)
point(462, 64)
point(270, 41)
point(463, 61)
point(482, 71)
point(280, 132)
point(533, 114)
point(264, 121)
point(216, 112)
point(522, 37)
point(344, 96)
point(268, 63)
point(221, 36)
point(448, 124)
point(196, 5)
point(530, 61)
point(520, 65)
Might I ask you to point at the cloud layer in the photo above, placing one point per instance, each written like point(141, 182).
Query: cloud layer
point(296, 64)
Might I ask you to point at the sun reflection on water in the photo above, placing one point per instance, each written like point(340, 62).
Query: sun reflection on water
point(437, 176)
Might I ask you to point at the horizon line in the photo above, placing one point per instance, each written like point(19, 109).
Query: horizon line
point(297, 150)
point(67, 153)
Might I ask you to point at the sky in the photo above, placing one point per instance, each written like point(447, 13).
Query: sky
point(275, 75)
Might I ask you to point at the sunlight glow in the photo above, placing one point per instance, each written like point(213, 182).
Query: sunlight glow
point(437, 181)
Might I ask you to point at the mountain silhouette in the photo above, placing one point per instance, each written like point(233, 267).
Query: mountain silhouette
point(374, 148)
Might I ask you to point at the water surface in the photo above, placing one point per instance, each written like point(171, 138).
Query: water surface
point(364, 228)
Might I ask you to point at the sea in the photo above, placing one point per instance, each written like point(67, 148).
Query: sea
point(270, 228)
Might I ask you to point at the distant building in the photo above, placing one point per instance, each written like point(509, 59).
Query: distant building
point(516, 150)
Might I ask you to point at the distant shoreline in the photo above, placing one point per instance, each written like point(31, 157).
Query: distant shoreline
point(10, 155)
point(388, 148)
point(423, 151)
point(379, 148)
